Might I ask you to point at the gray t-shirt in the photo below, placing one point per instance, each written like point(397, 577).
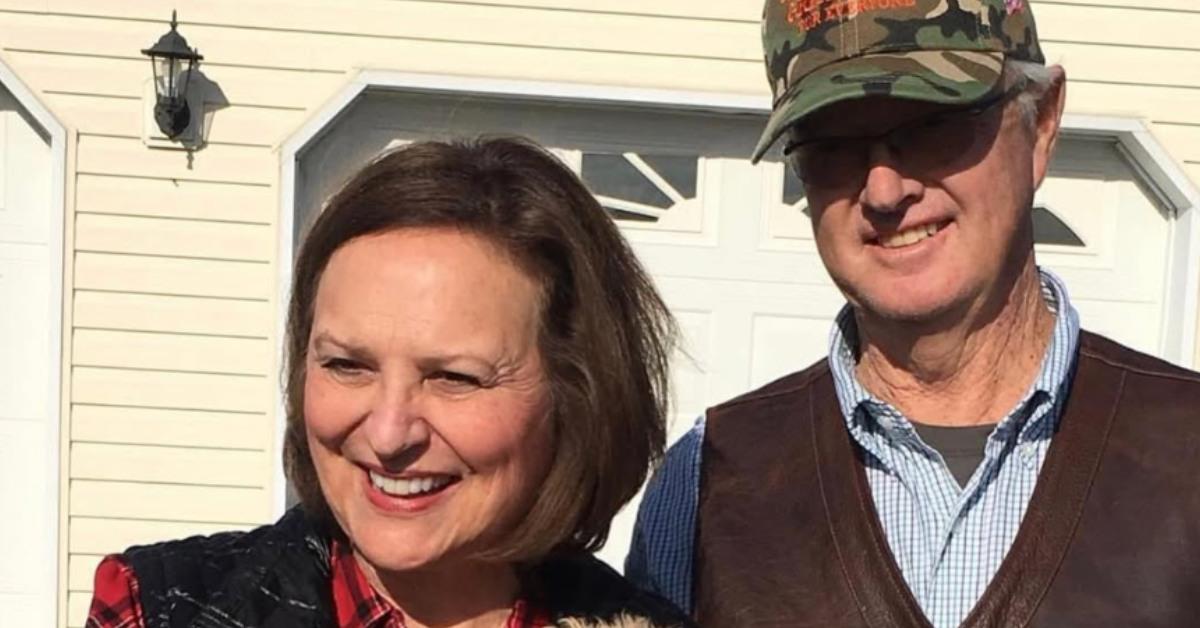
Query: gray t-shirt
point(961, 447)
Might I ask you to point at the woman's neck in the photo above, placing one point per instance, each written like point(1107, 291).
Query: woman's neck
point(473, 594)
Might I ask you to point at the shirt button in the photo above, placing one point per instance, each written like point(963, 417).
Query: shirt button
point(1029, 456)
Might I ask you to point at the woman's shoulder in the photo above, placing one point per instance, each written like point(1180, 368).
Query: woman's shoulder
point(580, 591)
point(206, 573)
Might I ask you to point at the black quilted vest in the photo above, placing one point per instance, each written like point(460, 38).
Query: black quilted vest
point(278, 576)
point(273, 576)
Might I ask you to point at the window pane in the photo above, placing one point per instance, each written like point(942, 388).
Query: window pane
point(1049, 229)
point(793, 189)
point(614, 176)
point(621, 214)
point(678, 170)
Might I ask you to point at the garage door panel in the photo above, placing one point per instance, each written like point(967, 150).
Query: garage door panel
point(22, 448)
point(24, 335)
point(691, 367)
point(1117, 276)
point(718, 264)
point(783, 344)
point(1138, 325)
point(24, 177)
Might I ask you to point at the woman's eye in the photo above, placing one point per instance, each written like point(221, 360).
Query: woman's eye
point(342, 366)
point(455, 379)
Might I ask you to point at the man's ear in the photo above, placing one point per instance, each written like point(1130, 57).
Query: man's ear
point(1049, 122)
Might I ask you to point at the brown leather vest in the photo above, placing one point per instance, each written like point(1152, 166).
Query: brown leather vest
point(788, 534)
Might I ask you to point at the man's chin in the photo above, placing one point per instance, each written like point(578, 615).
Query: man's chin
point(931, 313)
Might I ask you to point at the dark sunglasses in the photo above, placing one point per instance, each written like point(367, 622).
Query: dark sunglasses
point(920, 146)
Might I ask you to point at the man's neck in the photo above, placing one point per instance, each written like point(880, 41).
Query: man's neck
point(968, 373)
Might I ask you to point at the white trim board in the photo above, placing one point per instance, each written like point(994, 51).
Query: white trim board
point(1168, 180)
point(58, 153)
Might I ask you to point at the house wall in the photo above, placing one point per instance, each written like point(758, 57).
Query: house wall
point(171, 344)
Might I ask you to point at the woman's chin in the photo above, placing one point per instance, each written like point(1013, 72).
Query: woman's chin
point(383, 557)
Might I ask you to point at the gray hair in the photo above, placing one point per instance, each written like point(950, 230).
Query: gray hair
point(1038, 80)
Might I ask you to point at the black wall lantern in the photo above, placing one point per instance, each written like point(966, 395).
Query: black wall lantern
point(173, 61)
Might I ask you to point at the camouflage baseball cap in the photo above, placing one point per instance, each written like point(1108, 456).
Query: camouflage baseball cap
point(819, 52)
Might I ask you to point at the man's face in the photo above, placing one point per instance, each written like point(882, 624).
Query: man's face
point(922, 228)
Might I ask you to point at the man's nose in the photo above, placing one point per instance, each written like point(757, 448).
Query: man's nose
point(886, 188)
point(398, 421)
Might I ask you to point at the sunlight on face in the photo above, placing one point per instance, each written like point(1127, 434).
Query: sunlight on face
point(425, 400)
point(905, 244)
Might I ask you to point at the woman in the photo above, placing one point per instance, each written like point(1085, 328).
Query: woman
point(477, 369)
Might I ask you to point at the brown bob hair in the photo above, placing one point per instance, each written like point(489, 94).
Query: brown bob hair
point(605, 334)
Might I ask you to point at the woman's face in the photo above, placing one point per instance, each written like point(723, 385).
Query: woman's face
point(425, 400)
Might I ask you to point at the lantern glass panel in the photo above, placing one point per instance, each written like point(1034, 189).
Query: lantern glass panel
point(164, 70)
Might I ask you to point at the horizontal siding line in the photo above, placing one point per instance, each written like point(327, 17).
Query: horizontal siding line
point(1193, 125)
point(1129, 7)
point(489, 5)
point(123, 443)
point(158, 332)
point(194, 258)
point(91, 404)
point(1109, 44)
point(256, 488)
point(669, 16)
point(144, 369)
point(134, 136)
point(204, 64)
point(63, 92)
point(175, 294)
point(107, 96)
point(243, 524)
point(223, 221)
point(153, 520)
point(1132, 84)
point(415, 38)
point(240, 487)
point(173, 179)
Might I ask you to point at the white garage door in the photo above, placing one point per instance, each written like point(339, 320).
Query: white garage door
point(729, 245)
point(28, 395)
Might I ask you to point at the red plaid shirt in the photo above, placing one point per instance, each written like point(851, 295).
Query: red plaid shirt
point(356, 604)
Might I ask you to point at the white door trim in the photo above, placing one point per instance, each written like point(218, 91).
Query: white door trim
point(57, 208)
point(1171, 184)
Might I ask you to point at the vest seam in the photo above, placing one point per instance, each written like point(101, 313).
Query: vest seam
point(1083, 499)
point(1140, 371)
point(842, 563)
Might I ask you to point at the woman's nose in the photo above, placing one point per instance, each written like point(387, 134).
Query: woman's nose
point(397, 422)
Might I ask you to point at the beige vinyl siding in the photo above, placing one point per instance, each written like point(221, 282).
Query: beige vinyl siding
point(174, 351)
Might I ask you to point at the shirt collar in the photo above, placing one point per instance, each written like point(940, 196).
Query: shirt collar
point(355, 601)
point(1051, 381)
point(358, 605)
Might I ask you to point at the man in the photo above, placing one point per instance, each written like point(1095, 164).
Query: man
point(966, 456)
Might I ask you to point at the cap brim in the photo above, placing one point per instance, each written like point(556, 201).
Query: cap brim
point(941, 76)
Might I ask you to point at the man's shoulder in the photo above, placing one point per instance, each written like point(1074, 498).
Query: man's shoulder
point(1113, 354)
point(782, 388)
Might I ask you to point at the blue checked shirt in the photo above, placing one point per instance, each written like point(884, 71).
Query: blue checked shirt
point(947, 540)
